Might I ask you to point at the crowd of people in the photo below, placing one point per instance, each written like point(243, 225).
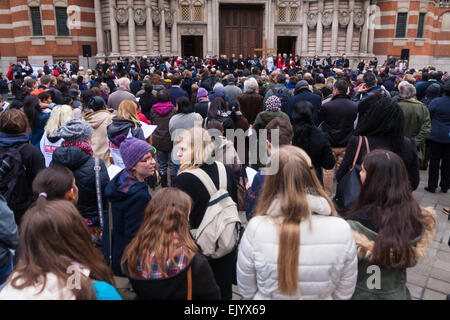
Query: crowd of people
point(168, 219)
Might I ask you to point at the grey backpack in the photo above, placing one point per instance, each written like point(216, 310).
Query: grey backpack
point(218, 232)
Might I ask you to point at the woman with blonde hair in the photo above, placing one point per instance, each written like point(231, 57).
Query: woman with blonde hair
point(195, 148)
point(159, 260)
point(50, 140)
point(295, 247)
point(126, 122)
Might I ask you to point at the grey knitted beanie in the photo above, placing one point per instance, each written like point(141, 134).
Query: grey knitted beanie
point(75, 130)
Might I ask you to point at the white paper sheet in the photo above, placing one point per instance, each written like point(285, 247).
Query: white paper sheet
point(250, 174)
point(148, 129)
point(113, 171)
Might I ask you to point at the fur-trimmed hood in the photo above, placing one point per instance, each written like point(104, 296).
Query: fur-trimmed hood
point(365, 238)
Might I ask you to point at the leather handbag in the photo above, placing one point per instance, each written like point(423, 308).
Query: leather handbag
point(241, 190)
point(348, 189)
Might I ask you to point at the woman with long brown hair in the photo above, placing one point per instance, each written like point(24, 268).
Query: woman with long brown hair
point(160, 257)
point(390, 228)
point(63, 264)
point(295, 247)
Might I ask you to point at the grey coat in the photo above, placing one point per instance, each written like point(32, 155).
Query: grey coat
point(9, 237)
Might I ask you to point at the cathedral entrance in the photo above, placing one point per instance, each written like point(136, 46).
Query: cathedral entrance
point(192, 46)
point(286, 45)
point(240, 29)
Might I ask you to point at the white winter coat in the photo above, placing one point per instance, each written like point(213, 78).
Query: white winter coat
point(328, 262)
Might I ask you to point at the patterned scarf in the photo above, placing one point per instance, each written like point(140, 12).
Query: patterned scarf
point(82, 145)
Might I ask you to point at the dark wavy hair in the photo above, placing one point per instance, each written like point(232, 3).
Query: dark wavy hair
point(384, 119)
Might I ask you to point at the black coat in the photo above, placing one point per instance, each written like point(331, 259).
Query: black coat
point(204, 286)
point(82, 165)
point(33, 160)
point(146, 102)
point(318, 149)
point(222, 267)
point(338, 117)
point(175, 93)
point(410, 156)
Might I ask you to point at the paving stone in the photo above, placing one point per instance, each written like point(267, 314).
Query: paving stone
point(445, 256)
point(433, 295)
point(439, 273)
point(415, 291)
point(439, 285)
point(444, 246)
point(416, 278)
point(442, 265)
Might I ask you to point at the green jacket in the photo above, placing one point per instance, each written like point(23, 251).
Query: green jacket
point(263, 118)
point(417, 122)
point(392, 282)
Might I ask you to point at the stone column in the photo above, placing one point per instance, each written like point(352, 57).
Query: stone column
point(162, 29)
point(131, 29)
point(114, 29)
point(371, 35)
point(335, 27)
point(99, 29)
point(216, 27)
point(149, 26)
point(305, 8)
point(348, 42)
point(209, 27)
point(365, 31)
point(319, 29)
point(174, 33)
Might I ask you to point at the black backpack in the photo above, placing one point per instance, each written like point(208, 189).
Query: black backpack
point(282, 94)
point(12, 173)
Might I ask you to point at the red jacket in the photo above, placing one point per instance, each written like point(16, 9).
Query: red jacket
point(142, 117)
point(10, 73)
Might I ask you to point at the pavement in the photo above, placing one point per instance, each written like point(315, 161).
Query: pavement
point(429, 279)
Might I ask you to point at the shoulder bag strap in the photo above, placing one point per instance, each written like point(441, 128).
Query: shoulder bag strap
point(97, 169)
point(367, 144)
point(222, 175)
point(357, 153)
point(189, 283)
point(205, 179)
point(110, 224)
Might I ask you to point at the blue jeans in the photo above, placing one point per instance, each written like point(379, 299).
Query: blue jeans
point(5, 270)
point(165, 160)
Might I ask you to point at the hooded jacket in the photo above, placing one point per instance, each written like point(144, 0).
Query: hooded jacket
point(82, 166)
point(392, 281)
point(204, 286)
point(327, 260)
point(160, 115)
point(128, 198)
point(33, 160)
point(123, 126)
point(99, 121)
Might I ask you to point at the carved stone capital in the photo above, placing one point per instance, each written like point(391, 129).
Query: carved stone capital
point(344, 18)
point(156, 16)
point(122, 15)
point(327, 18)
point(311, 19)
point(168, 16)
point(140, 16)
point(359, 19)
